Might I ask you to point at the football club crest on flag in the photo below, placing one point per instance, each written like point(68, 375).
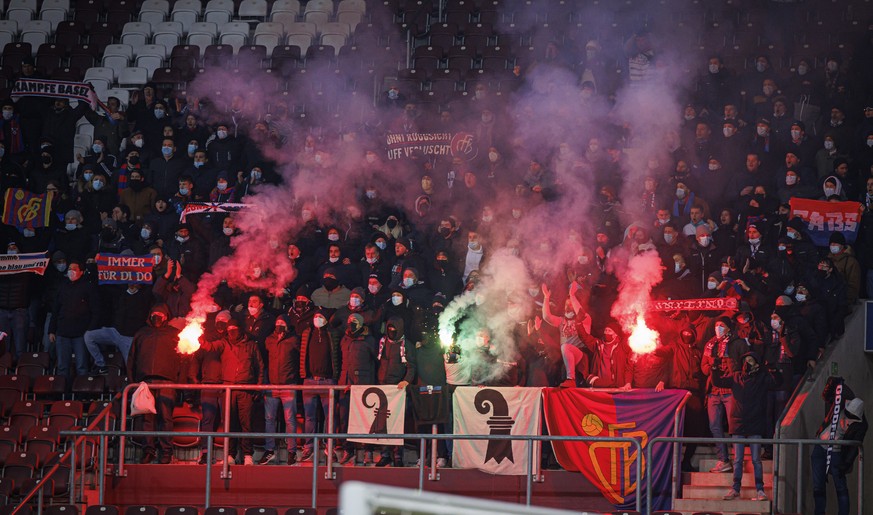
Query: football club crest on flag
point(611, 466)
point(377, 410)
point(26, 210)
point(495, 411)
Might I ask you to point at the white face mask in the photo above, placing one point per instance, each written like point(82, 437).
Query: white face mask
point(71, 227)
point(720, 331)
point(703, 241)
point(669, 237)
point(795, 134)
point(828, 145)
point(677, 267)
point(221, 134)
point(761, 67)
point(7, 115)
point(754, 241)
point(711, 285)
point(800, 297)
point(333, 237)
point(728, 132)
point(762, 131)
point(791, 234)
point(725, 270)
point(355, 301)
point(775, 324)
point(73, 275)
point(408, 282)
point(830, 191)
point(221, 186)
point(396, 300)
point(253, 311)
point(869, 144)
point(802, 69)
point(713, 167)
point(680, 193)
point(145, 233)
point(835, 249)
point(181, 239)
point(138, 143)
point(493, 156)
point(333, 259)
point(372, 288)
point(570, 315)
point(227, 231)
point(790, 180)
point(713, 68)
point(319, 321)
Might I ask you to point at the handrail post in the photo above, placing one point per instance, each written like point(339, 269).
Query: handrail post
point(648, 474)
point(329, 474)
point(39, 496)
point(422, 446)
point(315, 474)
point(433, 455)
point(860, 479)
point(529, 471)
point(225, 467)
point(121, 441)
point(101, 481)
point(799, 484)
point(209, 444)
point(677, 467)
point(82, 473)
point(639, 467)
point(73, 472)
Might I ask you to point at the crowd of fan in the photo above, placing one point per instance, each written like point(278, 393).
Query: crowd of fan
point(372, 279)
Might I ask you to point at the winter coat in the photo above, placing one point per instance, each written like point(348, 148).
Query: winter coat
point(283, 358)
point(396, 357)
point(618, 361)
point(241, 361)
point(728, 364)
point(849, 268)
point(647, 370)
point(306, 338)
point(748, 416)
point(15, 290)
point(76, 309)
point(153, 354)
point(131, 311)
point(359, 359)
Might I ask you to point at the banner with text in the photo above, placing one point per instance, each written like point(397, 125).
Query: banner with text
point(26, 210)
point(610, 466)
point(825, 218)
point(719, 304)
point(121, 269)
point(16, 263)
point(495, 411)
point(54, 89)
point(193, 208)
point(452, 144)
point(376, 410)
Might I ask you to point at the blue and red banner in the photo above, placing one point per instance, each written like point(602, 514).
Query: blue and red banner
point(824, 218)
point(26, 210)
point(610, 466)
point(122, 269)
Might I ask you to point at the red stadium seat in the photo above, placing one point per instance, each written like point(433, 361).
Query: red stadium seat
point(108, 509)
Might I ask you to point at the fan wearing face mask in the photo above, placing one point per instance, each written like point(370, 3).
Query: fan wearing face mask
point(572, 348)
point(153, 359)
point(188, 249)
point(746, 416)
point(75, 311)
point(283, 358)
point(320, 358)
point(358, 368)
point(259, 322)
point(331, 295)
point(610, 356)
point(241, 363)
point(205, 368)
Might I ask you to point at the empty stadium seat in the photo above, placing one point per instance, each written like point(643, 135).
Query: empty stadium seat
point(138, 510)
point(251, 56)
point(61, 509)
point(235, 34)
point(256, 510)
point(132, 77)
point(202, 34)
point(83, 57)
point(218, 11)
point(10, 438)
point(186, 12)
point(106, 509)
point(19, 466)
point(20, 15)
point(255, 10)
point(35, 32)
point(136, 33)
point(49, 58)
point(25, 414)
point(154, 11)
point(54, 17)
point(65, 414)
point(220, 510)
point(42, 441)
point(6, 487)
point(88, 387)
point(117, 57)
point(49, 387)
point(180, 510)
point(217, 56)
point(167, 33)
point(301, 511)
point(285, 6)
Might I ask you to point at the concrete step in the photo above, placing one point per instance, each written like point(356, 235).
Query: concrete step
point(718, 491)
point(721, 479)
point(721, 506)
point(707, 464)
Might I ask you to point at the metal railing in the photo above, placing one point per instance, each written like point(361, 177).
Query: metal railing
point(800, 443)
point(422, 437)
point(227, 388)
point(80, 438)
